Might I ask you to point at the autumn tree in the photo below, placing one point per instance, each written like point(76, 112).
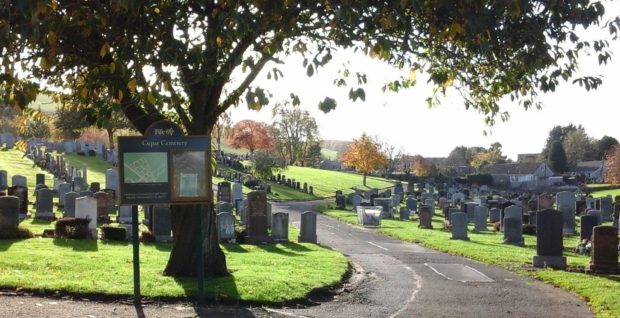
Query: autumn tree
point(423, 167)
point(579, 147)
point(605, 144)
point(364, 154)
point(251, 135)
point(557, 158)
point(190, 61)
point(294, 132)
point(612, 165)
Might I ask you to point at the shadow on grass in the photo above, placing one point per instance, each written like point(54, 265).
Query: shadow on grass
point(275, 248)
point(40, 222)
point(218, 290)
point(5, 244)
point(78, 245)
point(234, 248)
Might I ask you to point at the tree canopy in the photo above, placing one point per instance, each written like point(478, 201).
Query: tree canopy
point(190, 61)
point(251, 135)
point(364, 154)
point(557, 158)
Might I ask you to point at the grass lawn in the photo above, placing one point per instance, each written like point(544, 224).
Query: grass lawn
point(487, 247)
point(326, 182)
point(266, 274)
point(14, 164)
point(603, 193)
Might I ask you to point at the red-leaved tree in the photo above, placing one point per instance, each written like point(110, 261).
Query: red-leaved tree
point(612, 165)
point(251, 135)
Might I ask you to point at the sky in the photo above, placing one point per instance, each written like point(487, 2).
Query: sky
point(404, 120)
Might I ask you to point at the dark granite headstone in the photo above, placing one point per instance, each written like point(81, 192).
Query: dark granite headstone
point(40, 178)
point(307, 228)
point(588, 222)
point(224, 193)
point(22, 194)
point(162, 223)
point(9, 213)
point(549, 243)
point(426, 217)
point(44, 205)
point(256, 216)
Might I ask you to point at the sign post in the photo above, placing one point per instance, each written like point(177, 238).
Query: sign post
point(165, 167)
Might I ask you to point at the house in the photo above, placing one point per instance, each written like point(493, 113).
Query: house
point(330, 165)
point(591, 170)
point(519, 175)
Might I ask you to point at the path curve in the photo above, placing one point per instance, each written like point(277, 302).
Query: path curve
point(406, 280)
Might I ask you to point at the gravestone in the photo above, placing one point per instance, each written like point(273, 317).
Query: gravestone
point(86, 208)
point(223, 192)
point(44, 208)
point(40, 178)
point(256, 218)
point(340, 202)
point(22, 194)
point(279, 227)
point(596, 214)
point(426, 217)
point(237, 191)
point(396, 199)
point(459, 226)
point(494, 215)
point(604, 250)
point(590, 203)
point(69, 199)
point(386, 204)
point(451, 211)
point(513, 231)
point(588, 222)
point(549, 242)
point(9, 213)
point(78, 184)
point(369, 215)
point(307, 228)
point(412, 204)
point(544, 202)
point(242, 209)
point(480, 218)
point(111, 179)
point(223, 207)
point(3, 180)
point(404, 213)
point(470, 207)
point(580, 207)
point(514, 212)
point(85, 175)
point(18, 180)
point(565, 202)
point(124, 214)
point(162, 225)
point(225, 227)
point(356, 200)
point(606, 209)
point(532, 217)
point(103, 205)
point(430, 203)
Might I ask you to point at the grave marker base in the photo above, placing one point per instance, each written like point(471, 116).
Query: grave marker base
point(555, 262)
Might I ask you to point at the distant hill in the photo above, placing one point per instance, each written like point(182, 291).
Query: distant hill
point(335, 145)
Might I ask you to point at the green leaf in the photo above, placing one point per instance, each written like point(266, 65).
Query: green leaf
point(327, 105)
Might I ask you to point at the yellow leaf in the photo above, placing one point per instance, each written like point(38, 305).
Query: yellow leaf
point(120, 95)
point(43, 63)
point(412, 75)
point(132, 85)
point(166, 85)
point(84, 92)
point(51, 38)
point(218, 41)
point(104, 49)
point(156, 10)
point(151, 98)
point(112, 67)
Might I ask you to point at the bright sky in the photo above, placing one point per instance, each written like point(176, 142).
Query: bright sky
point(404, 120)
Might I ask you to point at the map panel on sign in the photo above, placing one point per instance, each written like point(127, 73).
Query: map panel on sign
point(146, 167)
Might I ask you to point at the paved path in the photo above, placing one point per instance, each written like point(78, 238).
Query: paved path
point(406, 280)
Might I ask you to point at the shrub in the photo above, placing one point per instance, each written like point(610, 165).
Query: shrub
point(113, 233)
point(147, 236)
point(15, 233)
point(74, 228)
point(529, 229)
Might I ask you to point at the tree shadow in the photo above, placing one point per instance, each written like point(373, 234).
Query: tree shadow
point(77, 245)
point(234, 248)
point(40, 222)
point(5, 244)
point(274, 248)
point(296, 247)
point(218, 290)
point(115, 243)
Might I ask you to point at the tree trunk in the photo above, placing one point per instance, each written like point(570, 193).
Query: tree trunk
point(110, 137)
point(184, 256)
point(364, 179)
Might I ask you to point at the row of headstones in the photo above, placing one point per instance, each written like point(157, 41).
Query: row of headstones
point(8, 140)
point(255, 214)
point(292, 183)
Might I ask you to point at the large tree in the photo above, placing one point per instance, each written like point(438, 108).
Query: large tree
point(557, 158)
point(364, 154)
point(605, 144)
point(612, 165)
point(251, 135)
point(294, 132)
point(579, 147)
point(190, 61)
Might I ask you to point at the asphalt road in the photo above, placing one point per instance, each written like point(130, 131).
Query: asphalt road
point(406, 280)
